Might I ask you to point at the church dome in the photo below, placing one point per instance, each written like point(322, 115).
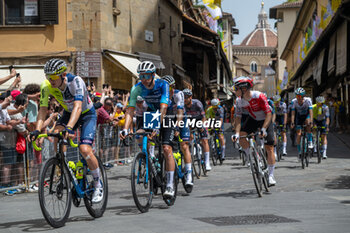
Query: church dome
point(263, 35)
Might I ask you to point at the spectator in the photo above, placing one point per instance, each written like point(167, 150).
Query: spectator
point(8, 77)
point(119, 116)
point(33, 92)
point(103, 114)
point(7, 140)
point(20, 103)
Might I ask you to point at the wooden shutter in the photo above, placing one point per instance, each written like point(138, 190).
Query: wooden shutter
point(48, 12)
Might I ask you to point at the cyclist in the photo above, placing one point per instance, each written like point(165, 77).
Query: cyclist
point(321, 119)
point(302, 114)
point(281, 119)
point(155, 92)
point(253, 112)
point(292, 130)
point(70, 91)
point(140, 108)
point(176, 107)
point(216, 111)
point(194, 110)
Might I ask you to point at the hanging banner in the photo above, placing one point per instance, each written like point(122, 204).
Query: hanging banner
point(331, 54)
point(341, 54)
point(214, 11)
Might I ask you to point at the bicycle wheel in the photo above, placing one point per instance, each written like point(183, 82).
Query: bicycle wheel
point(278, 151)
point(242, 156)
point(264, 168)
point(196, 162)
point(187, 188)
point(141, 187)
point(303, 152)
point(213, 151)
point(318, 146)
point(96, 210)
point(169, 201)
point(55, 195)
point(255, 172)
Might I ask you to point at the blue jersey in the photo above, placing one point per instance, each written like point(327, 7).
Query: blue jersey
point(154, 97)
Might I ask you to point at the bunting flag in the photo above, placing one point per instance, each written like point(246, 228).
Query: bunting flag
point(214, 10)
point(213, 24)
point(335, 5)
point(220, 31)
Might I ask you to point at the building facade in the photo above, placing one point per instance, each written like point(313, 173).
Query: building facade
point(317, 51)
point(255, 51)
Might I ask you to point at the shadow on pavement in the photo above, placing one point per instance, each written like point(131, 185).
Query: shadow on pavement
point(342, 182)
point(119, 177)
point(38, 225)
point(246, 194)
point(124, 210)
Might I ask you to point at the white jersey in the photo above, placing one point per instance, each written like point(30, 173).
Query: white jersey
point(304, 108)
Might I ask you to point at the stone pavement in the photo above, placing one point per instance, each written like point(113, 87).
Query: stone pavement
point(316, 199)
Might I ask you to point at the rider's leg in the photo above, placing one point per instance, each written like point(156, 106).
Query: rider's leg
point(205, 146)
point(223, 146)
point(170, 165)
point(324, 145)
point(298, 133)
point(244, 143)
point(309, 133)
point(284, 138)
point(269, 146)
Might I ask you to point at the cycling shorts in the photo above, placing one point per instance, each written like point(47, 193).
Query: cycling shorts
point(250, 125)
point(321, 124)
point(87, 121)
point(300, 120)
point(280, 120)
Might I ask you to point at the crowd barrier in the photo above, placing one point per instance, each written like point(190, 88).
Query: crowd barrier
point(21, 171)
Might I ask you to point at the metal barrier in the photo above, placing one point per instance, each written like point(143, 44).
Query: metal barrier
point(21, 172)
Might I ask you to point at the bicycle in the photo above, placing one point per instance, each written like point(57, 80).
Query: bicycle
point(56, 177)
point(180, 168)
point(198, 162)
point(147, 175)
point(279, 144)
point(258, 164)
point(236, 145)
point(305, 151)
point(215, 147)
point(318, 142)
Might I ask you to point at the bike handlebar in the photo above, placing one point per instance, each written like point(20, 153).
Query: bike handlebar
point(57, 135)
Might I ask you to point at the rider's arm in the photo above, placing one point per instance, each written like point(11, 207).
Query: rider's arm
point(76, 112)
point(293, 116)
point(41, 117)
point(285, 118)
point(163, 109)
point(311, 115)
point(267, 120)
point(238, 124)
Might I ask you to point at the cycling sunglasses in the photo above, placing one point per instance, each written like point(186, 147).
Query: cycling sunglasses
point(145, 76)
point(53, 77)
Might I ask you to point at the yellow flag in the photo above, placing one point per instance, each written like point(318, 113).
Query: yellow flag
point(218, 3)
point(208, 2)
point(335, 5)
point(214, 11)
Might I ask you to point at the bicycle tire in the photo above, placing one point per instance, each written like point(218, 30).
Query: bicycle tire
point(302, 159)
point(44, 184)
point(318, 146)
point(255, 172)
point(91, 208)
point(137, 173)
point(278, 148)
point(196, 163)
point(213, 151)
point(265, 178)
point(169, 201)
point(242, 157)
point(188, 189)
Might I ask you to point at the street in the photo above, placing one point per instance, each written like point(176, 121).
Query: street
point(316, 199)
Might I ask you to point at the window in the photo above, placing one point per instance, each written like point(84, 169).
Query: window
point(28, 12)
point(253, 67)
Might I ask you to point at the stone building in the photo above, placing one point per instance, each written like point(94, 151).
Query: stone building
point(254, 53)
point(102, 41)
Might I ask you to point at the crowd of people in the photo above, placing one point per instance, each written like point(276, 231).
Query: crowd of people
point(19, 110)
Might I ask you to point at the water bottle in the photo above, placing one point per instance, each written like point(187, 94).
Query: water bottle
point(72, 166)
point(217, 143)
point(177, 156)
point(79, 170)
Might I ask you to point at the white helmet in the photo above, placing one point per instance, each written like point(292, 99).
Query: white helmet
point(276, 98)
point(146, 67)
point(320, 99)
point(215, 102)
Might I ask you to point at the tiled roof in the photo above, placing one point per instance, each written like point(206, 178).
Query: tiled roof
point(261, 38)
point(289, 4)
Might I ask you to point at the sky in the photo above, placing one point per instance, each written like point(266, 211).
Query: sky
point(245, 13)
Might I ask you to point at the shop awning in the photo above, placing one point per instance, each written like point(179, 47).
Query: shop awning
point(29, 74)
point(157, 60)
point(125, 62)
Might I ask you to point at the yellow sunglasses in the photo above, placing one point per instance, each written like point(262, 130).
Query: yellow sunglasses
point(53, 77)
